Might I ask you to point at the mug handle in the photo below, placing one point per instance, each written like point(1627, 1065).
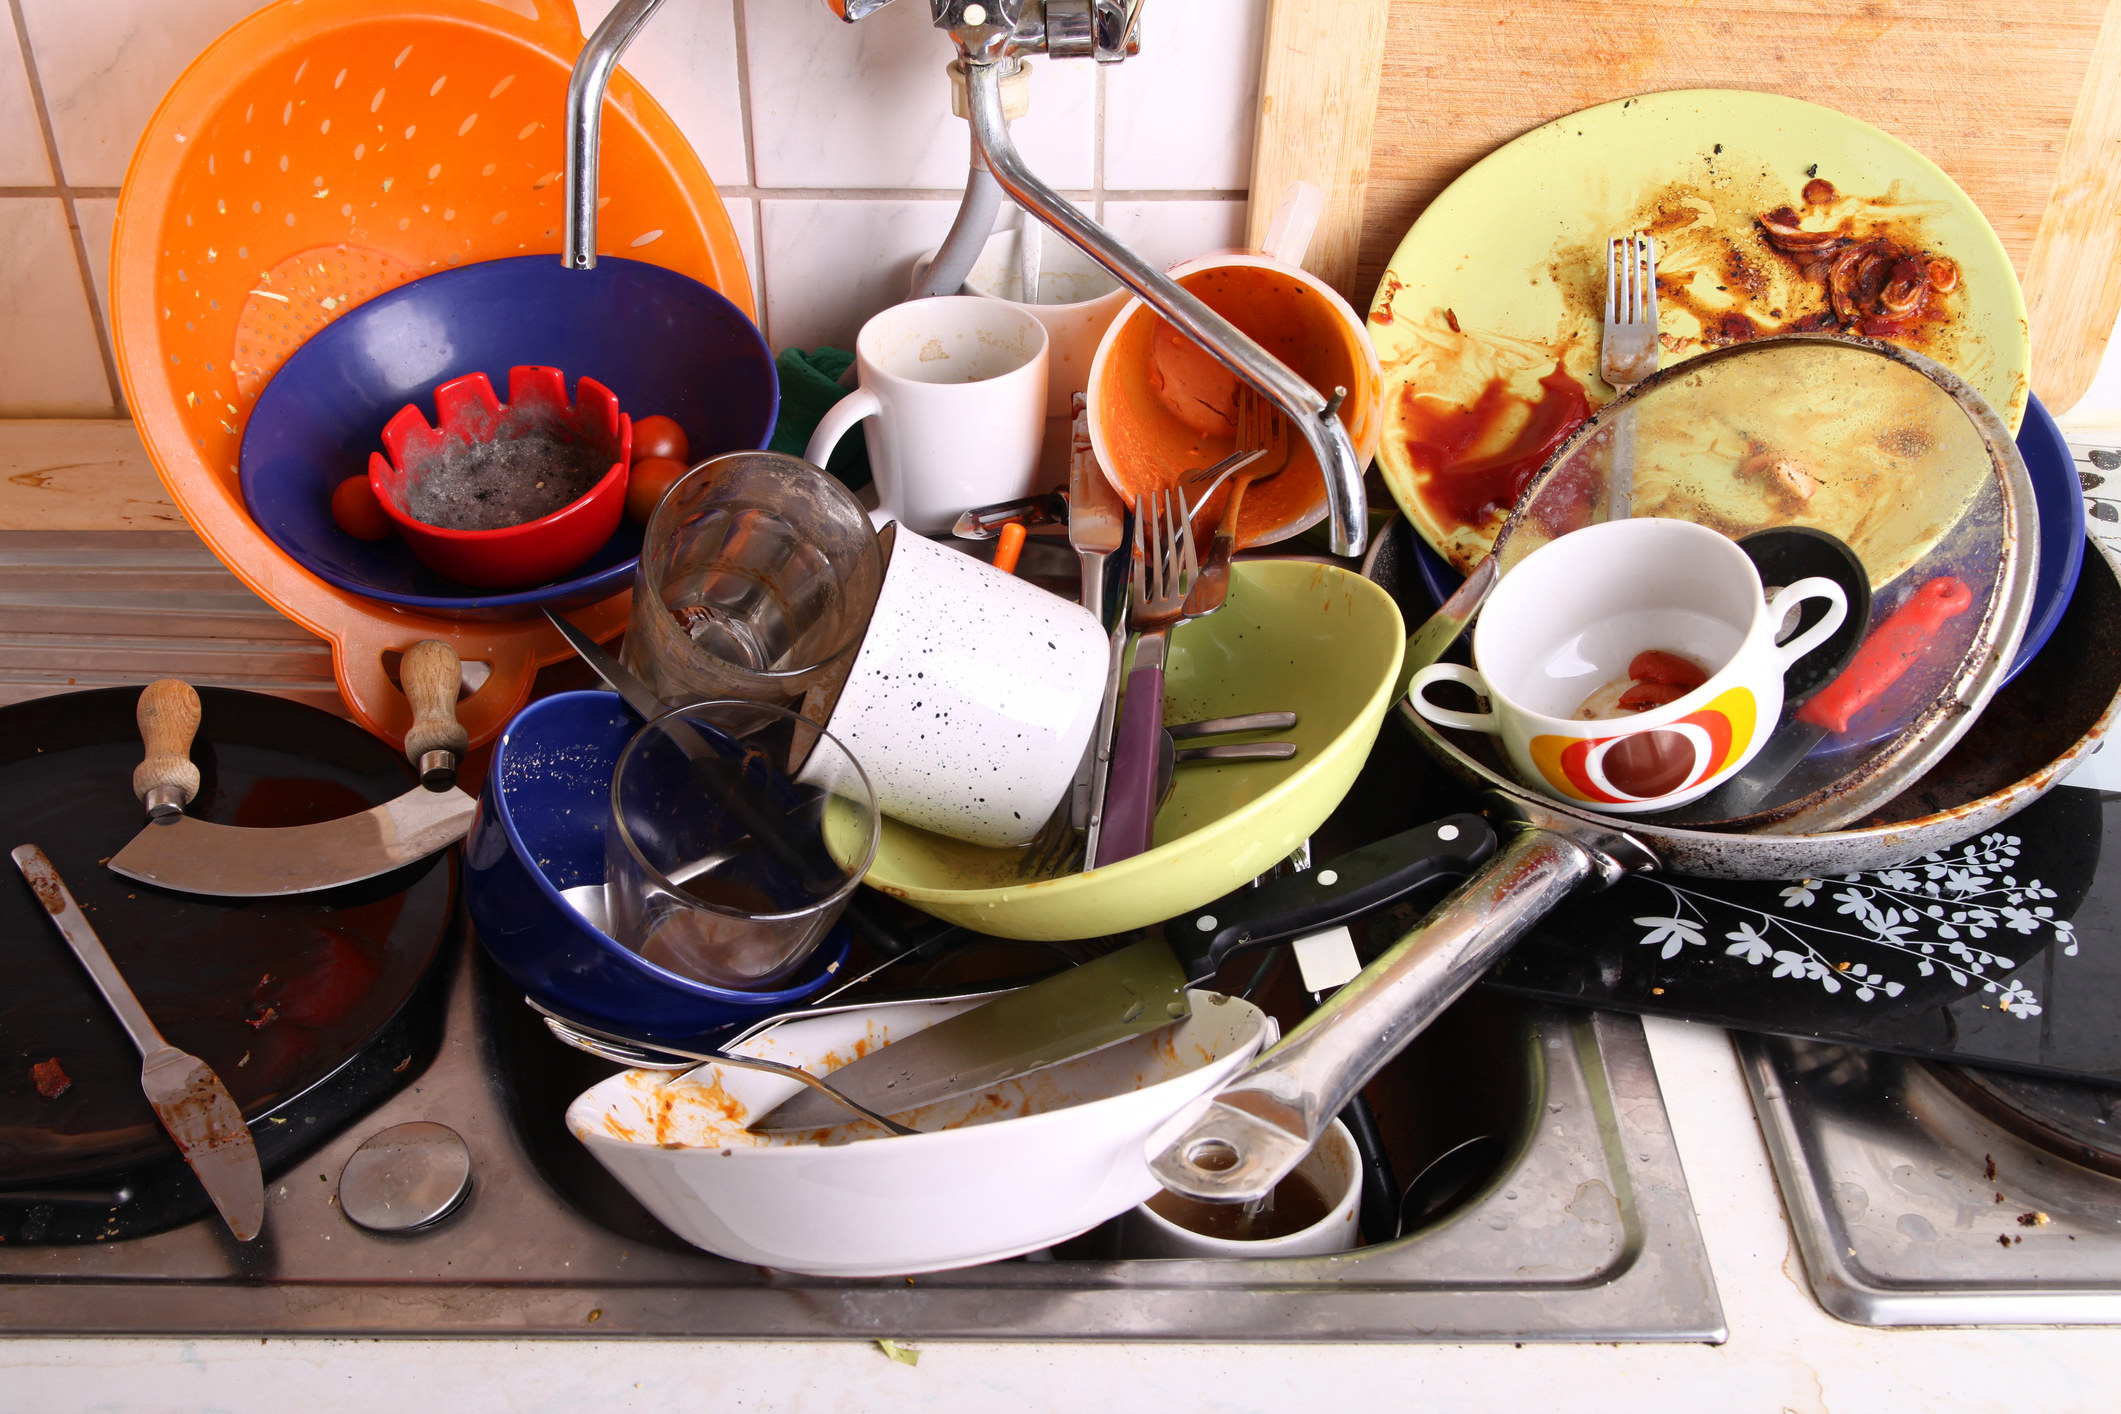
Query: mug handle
point(1817, 587)
point(1444, 716)
point(1594, 760)
point(838, 418)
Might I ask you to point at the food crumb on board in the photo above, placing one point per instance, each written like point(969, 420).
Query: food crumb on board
point(1988, 1170)
point(904, 1354)
point(2034, 1219)
point(51, 1078)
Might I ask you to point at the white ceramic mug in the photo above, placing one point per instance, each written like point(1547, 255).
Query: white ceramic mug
point(1571, 617)
point(954, 389)
point(972, 697)
point(1076, 299)
point(1332, 1167)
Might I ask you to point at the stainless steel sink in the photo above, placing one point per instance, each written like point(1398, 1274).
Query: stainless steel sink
point(1583, 1230)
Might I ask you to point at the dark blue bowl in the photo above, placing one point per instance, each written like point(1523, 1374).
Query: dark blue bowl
point(2057, 496)
point(663, 342)
point(540, 830)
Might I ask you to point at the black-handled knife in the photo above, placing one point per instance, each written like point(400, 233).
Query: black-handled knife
point(1137, 988)
point(1332, 894)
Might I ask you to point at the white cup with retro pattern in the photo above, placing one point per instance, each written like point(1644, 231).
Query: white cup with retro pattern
point(1571, 618)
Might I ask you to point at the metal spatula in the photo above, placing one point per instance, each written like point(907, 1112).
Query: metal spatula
point(189, 1099)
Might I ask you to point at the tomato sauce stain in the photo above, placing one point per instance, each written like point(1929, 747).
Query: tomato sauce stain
point(1464, 477)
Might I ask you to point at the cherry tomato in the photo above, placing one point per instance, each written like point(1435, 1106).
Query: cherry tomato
point(660, 438)
point(647, 482)
point(1667, 669)
point(355, 507)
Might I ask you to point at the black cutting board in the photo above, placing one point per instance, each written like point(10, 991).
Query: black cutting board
point(2004, 951)
point(279, 996)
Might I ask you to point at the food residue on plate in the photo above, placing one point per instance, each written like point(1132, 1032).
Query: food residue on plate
point(1473, 462)
point(51, 1078)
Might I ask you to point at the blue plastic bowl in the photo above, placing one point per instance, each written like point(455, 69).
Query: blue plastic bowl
point(663, 342)
point(2057, 496)
point(540, 829)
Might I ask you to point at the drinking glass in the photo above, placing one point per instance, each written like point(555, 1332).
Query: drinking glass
point(758, 573)
point(738, 832)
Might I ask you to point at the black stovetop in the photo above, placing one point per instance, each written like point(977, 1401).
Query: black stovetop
point(2004, 951)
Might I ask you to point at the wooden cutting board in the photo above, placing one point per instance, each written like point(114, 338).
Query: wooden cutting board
point(2023, 112)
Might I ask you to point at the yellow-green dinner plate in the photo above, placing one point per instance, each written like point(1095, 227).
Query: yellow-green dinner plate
point(1502, 279)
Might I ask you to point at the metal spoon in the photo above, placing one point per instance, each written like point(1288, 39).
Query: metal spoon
point(620, 1051)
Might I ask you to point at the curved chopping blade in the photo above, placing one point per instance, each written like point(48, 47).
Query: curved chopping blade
point(234, 861)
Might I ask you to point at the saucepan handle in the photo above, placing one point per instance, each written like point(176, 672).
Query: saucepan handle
point(1269, 1116)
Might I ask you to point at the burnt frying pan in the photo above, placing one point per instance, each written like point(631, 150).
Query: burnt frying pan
point(1270, 1115)
point(279, 995)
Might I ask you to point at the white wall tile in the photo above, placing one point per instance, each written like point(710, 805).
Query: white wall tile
point(743, 214)
point(105, 64)
point(868, 105)
point(1179, 115)
point(98, 215)
point(1166, 232)
point(49, 363)
point(685, 56)
point(22, 160)
point(831, 264)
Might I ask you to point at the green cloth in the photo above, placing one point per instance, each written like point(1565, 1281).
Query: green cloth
point(809, 387)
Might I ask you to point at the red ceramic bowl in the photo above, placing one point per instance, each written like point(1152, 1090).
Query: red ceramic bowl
point(536, 551)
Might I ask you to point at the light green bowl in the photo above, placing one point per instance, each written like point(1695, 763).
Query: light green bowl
point(1313, 639)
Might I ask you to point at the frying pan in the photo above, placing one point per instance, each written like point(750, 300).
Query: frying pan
point(1267, 1119)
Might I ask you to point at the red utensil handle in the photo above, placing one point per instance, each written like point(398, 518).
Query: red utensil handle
point(1888, 653)
point(1130, 792)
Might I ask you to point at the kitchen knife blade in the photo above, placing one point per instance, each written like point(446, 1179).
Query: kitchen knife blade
point(189, 1099)
point(1097, 528)
point(1139, 987)
point(1888, 653)
point(178, 851)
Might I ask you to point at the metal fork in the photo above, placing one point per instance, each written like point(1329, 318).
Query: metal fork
point(1257, 428)
point(1124, 806)
point(1627, 352)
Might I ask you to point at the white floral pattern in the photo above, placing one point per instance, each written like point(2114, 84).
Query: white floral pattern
point(1935, 913)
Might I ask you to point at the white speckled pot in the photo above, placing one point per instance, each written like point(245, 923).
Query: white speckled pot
point(973, 695)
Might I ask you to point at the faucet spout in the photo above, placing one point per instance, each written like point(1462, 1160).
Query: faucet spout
point(1312, 413)
point(585, 123)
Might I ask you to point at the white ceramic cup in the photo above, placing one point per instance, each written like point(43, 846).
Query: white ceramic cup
point(972, 697)
point(1332, 1167)
point(1076, 300)
point(1573, 614)
point(954, 390)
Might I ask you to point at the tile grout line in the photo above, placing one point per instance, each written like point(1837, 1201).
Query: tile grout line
point(742, 40)
point(84, 270)
point(1097, 146)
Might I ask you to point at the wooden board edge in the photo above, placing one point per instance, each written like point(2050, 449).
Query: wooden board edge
point(1319, 74)
point(2073, 280)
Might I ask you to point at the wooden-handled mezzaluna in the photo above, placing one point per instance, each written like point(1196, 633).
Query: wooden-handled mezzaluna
point(169, 717)
point(436, 742)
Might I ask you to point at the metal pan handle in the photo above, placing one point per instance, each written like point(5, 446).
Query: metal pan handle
point(1266, 1120)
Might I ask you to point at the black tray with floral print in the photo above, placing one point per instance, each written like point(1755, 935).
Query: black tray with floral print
point(2004, 951)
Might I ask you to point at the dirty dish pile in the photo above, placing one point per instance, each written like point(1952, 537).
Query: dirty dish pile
point(326, 224)
point(1010, 1170)
point(737, 834)
point(1160, 405)
point(542, 831)
point(1762, 208)
point(757, 579)
point(659, 341)
point(1311, 639)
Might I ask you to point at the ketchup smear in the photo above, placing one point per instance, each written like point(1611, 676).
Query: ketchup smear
point(1470, 490)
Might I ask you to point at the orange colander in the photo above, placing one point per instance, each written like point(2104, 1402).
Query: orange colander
point(321, 153)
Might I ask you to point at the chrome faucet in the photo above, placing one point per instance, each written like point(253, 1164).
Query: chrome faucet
point(992, 36)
